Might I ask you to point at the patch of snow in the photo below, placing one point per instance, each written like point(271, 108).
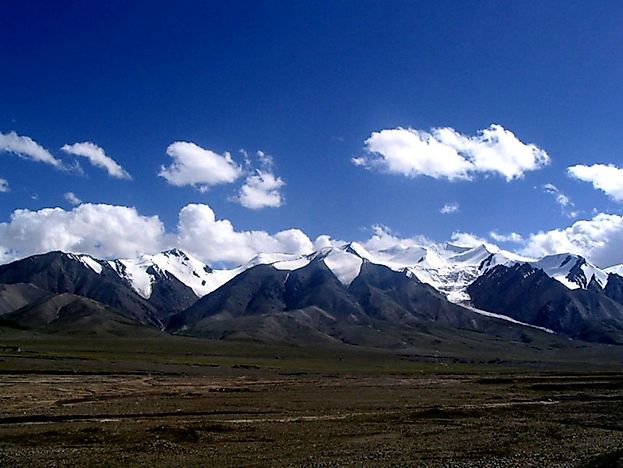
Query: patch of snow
point(357, 249)
point(559, 267)
point(616, 269)
point(292, 265)
point(508, 319)
point(189, 270)
point(135, 272)
point(345, 266)
point(91, 263)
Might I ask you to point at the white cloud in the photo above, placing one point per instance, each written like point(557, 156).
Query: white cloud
point(25, 147)
point(444, 153)
point(565, 203)
point(266, 160)
point(512, 237)
point(449, 208)
point(199, 167)
point(4, 185)
point(261, 190)
point(72, 198)
point(324, 241)
point(97, 157)
point(599, 239)
point(109, 231)
point(213, 239)
point(99, 230)
point(607, 178)
point(561, 198)
point(467, 239)
point(383, 238)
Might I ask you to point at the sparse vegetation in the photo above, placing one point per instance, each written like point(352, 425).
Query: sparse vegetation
point(174, 401)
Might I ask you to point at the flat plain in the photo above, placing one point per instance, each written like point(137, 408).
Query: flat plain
point(171, 401)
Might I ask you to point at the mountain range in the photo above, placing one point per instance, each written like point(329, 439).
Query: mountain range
point(348, 294)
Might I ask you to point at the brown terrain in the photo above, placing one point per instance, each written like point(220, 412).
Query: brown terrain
point(184, 402)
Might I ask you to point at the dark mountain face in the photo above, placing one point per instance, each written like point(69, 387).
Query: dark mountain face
point(380, 307)
point(58, 272)
point(390, 295)
point(614, 288)
point(311, 302)
point(69, 314)
point(529, 295)
point(169, 294)
point(16, 296)
point(594, 286)
point(257, 290)
point(576, 274)
point(315, 285)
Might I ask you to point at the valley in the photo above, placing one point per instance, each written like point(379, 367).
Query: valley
point(167, 401)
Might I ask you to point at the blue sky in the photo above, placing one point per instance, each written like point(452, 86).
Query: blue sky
point(308, 83)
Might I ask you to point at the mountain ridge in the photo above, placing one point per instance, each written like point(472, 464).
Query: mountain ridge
point(175, 292)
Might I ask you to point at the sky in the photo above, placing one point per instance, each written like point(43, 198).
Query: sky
point(231, 128)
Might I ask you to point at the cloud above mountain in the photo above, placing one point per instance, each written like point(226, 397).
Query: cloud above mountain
point(261, 190)
point(109, 231)
point(26, 148)
point(599, 239)
point(567, 207)
point(100, 230)
point(213, 239)
point(450, 208)
point(607, 178)
point(444, 153)
point(72, 198)
point(198, 167)
point(513, 237)
point(98, 158)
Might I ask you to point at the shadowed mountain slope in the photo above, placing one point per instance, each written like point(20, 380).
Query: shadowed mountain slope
point(529, 295)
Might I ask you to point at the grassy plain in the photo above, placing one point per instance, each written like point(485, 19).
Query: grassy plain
point(173, 401)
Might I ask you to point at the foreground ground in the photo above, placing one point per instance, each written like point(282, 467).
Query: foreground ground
point(197, 403)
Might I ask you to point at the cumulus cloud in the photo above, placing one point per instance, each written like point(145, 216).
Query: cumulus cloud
point(266, 160)
point(449, 208)
point(213, 239)
point(198, 167)
point(72, 198)
point(99, 230)
point(607, 178)
point(4, 185)
point(261, 190)
point(109, 231)
point(324, 241)
point(467, 239)
point(599, 239)
point(383, 238)
point(444, 153)
point(512, 237)
point(25, 147)
point(98, 157)
point(565, 203)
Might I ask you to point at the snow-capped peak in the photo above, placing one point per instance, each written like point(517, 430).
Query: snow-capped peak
point(88, 261)
point(143, 271)
point(571, 270)
point(356, 248)
point(447, 267)
point(473, 256)
point(345, 262)
point(616, 269)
